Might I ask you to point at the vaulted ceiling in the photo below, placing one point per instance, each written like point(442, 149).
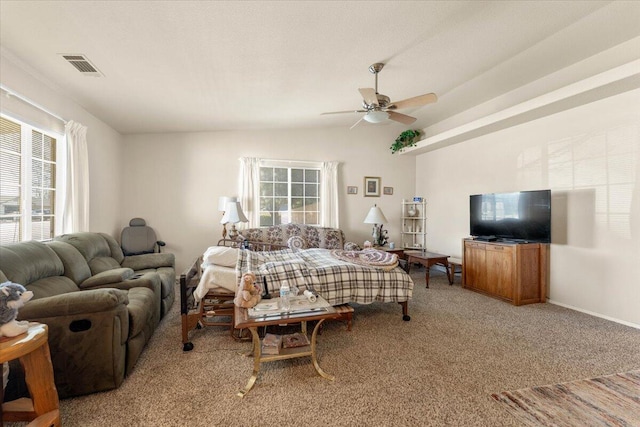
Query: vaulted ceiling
point(175, 66)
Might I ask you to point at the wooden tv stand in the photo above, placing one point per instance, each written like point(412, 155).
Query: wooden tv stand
point(514, 272)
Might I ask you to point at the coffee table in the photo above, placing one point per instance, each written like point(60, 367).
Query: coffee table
point(244, 320)
point(428, 259)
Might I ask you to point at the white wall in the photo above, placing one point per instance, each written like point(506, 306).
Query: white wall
point(104, 143)
point(589, 157)
point(174, 180)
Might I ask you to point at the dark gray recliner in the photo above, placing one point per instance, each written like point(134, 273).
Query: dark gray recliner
point(139, 238)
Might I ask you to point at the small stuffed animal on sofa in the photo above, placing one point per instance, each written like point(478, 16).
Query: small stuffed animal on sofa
point(248, 294)
point(12, 297)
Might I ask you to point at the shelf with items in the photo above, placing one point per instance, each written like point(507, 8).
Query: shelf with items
point(414, 225)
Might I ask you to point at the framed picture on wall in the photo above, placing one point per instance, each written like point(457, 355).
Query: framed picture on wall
point(352, 189)
point(371, 186)
point(387, 191)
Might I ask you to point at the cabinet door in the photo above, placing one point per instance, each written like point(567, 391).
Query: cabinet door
point(500, 268)
point(474, 265)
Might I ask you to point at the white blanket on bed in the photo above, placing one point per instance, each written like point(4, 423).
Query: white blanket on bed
point(218, 278)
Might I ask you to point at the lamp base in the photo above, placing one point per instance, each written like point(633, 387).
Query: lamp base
point(233, 233)
point(379, 235)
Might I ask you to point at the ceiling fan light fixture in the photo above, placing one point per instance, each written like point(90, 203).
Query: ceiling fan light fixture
point(376, 116)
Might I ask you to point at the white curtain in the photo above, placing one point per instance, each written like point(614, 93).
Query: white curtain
point(329, 195)
point(75, 217)
point(250, 189)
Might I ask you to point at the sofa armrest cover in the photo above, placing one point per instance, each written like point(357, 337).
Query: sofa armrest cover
point(116, 275)
point(73, 303)
point(145, 261)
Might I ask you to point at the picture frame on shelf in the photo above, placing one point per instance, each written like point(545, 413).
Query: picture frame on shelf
point(388, 191)
point(352, 189)
point(371, 186)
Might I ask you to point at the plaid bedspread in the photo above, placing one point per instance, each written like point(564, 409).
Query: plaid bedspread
point(337, 281)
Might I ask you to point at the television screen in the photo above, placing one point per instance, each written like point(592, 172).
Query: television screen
point(520, 216)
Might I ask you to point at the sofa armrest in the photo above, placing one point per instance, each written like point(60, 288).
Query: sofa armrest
point(88, 335)
point(73, 303)
point(107, 277)
point(145, 261)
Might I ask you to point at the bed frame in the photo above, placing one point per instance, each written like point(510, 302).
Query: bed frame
point(216, 308)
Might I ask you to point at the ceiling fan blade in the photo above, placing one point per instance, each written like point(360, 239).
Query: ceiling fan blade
point(347, 111)
point(402, 118)
point(356, 123)
point(416, 101)
point(369, 95)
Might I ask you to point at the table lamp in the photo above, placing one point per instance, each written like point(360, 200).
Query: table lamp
point(377, 218)
point(233, 214)
point(222, 205)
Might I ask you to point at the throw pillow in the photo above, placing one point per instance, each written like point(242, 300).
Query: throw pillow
point(296, 243)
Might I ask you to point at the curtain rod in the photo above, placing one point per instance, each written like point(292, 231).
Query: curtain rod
point(30, 102)
point(307, 162)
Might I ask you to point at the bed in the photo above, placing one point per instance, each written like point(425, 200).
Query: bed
point(339, 276)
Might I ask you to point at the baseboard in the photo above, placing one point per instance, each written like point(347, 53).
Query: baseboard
point(591, 313)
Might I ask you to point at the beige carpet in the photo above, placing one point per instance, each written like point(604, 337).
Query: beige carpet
point(609, 401)
point(439, 369)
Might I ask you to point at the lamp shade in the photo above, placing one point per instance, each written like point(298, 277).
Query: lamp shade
point(376, 116)
point(223, 200)
point(233, 214)
point(375, 216)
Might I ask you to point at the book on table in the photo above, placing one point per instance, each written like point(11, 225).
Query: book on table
point(295, 340)
point(271, 344)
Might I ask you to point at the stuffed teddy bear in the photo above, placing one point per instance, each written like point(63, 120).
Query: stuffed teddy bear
point(248, 294)
point(12, 297)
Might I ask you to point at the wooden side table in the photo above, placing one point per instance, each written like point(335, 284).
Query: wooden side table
point(428, 259)
point(32, 349)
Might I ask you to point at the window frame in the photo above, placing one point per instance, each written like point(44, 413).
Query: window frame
point(26, 179)
point(289, 165)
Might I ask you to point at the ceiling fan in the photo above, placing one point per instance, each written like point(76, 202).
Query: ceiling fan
point(378, 107)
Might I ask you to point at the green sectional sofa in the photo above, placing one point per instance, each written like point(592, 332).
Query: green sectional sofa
point(101, 307)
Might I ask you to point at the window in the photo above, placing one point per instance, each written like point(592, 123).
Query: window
point(289, 195)
point(28, 182)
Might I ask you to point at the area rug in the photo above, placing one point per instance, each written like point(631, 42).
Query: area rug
point(612, 400)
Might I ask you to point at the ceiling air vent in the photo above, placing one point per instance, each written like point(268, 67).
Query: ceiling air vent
point(82, 64)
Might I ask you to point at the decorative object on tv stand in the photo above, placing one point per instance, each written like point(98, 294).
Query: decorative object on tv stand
point(377, 218)
point(233, 214)
point(222, 205)
point(408, 138)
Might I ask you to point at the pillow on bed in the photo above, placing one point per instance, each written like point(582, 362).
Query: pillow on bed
point(296, 243)
point(221, 255)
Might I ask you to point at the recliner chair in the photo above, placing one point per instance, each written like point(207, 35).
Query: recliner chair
point(139, 238)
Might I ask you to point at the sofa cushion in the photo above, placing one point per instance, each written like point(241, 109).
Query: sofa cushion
point(51, 286)
point(114, 247)
point(141, 303)
point(145, 261)
point(115, 275)
point(102, 263)
point(27, 262)
point(315, 237)
point(75, 266)
point(99, 249)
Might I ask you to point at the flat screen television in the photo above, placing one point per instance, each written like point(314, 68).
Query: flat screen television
point(523, 216)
